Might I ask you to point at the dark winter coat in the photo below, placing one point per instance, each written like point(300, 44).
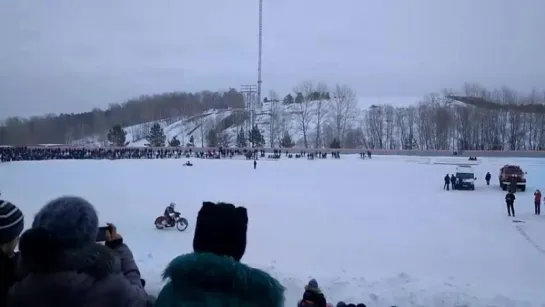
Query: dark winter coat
point(510, 198)
point(452, 179)
point(447, 179)
point(206, 279)
point(513, 186)
point(9, 274)
point(96, 276)
point(313, 298)
point(537, 198)
point(487, 177)
point(168, 211)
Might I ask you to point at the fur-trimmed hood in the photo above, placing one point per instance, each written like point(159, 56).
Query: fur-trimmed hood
point(94, 276)
point(206, 279)
point(70, 276)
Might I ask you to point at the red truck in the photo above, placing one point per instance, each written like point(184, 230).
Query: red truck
point(511, 175)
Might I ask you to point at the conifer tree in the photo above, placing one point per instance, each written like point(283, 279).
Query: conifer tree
point(174, 142)
point(336, 144)
point(117, 136)
point(286, 141)
point(241, 139)
point(212, 138)
point(256, 138)
point(156, 136)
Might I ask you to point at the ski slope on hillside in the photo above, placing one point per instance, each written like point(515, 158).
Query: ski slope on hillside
point(381, 231)
point(184, 128)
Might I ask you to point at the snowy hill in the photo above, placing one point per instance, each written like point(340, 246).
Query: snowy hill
point(272, 119)
point(197, 126)
point(182, 128)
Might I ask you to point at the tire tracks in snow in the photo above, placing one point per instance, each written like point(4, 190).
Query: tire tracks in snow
point(529, 239)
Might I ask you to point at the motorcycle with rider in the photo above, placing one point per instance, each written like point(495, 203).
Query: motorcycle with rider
point(171, 218)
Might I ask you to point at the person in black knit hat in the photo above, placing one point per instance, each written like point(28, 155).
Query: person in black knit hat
point(11, 225)
point(213, 275)
point(221, 229)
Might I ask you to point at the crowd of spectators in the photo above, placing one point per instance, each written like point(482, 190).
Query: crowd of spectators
point(59, 263)
point(8, 154)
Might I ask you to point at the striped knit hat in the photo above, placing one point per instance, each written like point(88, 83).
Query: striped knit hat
point(11, 222)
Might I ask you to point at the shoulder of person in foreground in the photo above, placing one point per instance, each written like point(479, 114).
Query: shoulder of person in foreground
point(93, 274)
point(206, 279)
point(8, 275)
point(129, 268)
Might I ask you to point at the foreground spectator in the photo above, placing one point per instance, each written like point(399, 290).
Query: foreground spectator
point(343, 304)
point(212, 275)
point(67, 268)
point(11, 226)
point(313, 296)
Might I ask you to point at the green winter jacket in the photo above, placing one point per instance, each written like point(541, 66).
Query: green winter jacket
point(206, 279)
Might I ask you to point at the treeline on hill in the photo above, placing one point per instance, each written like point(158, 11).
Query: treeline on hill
point(322, 116)
point(65, 128)
point(331, 117)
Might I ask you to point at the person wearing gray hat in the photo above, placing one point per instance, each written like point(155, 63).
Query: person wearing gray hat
point(68, 268)
point(11, 225)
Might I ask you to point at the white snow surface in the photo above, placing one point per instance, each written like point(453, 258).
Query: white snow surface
point(380, 231)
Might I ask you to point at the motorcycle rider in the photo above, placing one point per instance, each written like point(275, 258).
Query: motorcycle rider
point(170, 213)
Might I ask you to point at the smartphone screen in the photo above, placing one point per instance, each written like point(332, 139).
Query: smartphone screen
point(101, 236)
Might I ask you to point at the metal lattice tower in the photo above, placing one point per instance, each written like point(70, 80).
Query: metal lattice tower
point(260, 52)
point(249, 93)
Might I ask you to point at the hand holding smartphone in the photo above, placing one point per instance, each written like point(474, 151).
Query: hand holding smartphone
point(102, 233)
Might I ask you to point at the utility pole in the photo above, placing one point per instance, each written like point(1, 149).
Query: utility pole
point(260, 52)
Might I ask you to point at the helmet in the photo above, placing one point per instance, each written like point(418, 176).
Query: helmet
point(172, 205)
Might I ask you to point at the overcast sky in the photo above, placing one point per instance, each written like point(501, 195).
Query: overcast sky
point(73, 55)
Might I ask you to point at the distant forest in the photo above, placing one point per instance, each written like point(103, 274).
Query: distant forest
point(435, 122)
point(66, 128)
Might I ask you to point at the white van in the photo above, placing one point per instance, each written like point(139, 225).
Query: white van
point(465, 178)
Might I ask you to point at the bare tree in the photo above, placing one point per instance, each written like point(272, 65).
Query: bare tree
point(102, 140)
point(343, 110)
point(132, 132)
point(391, 141)
point(405, 125)
point(354, 138)
point(141, 131)
point(328, 134)
point(303, 109)
point(276, 114)
point(321, 100)
point(203, 124)
point(286, 119)
point(224, 139)
point(374, 119)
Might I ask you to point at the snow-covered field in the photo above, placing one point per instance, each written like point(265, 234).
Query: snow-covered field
point(381, 231)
